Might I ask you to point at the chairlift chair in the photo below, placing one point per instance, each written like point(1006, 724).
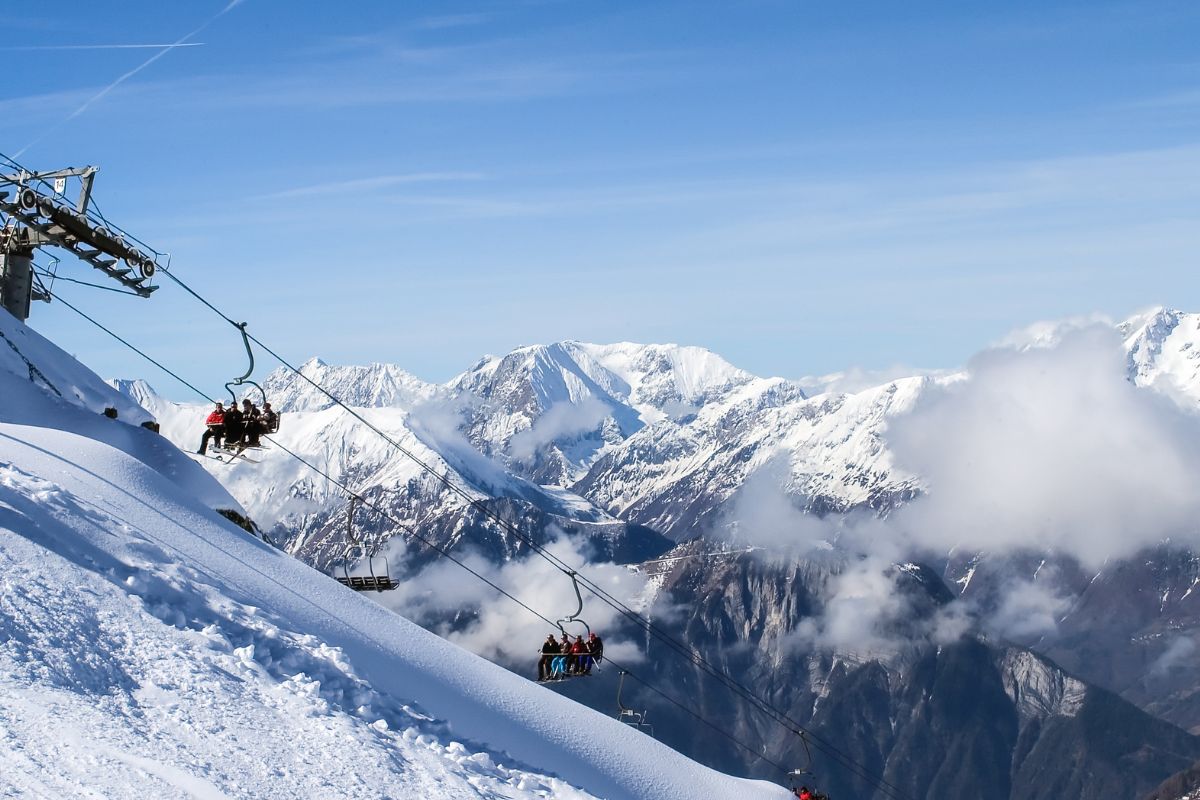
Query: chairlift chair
point(796, 775)
point(630, 716)
point(558, 665)
point(368, 583)
point(375, 582)
point(244, 380)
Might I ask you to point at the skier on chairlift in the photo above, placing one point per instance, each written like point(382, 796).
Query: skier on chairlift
point(550, 649)
point(215, 428)
point(578, 653)
point(253, 422)
point(270, 419)
point(595, 649)
point(235, 427)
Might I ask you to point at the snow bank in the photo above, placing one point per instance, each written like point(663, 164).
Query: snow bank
point(147, 644)
point(41, 385)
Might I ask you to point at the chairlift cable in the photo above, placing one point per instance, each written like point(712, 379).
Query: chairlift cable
point(735, 686)
point(156, 363)
point(442, 551)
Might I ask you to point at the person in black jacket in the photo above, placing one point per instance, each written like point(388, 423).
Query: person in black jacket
point(550, 649)
point(270, 419)
point(252, 419)
point(595, 649)
point(235, 427)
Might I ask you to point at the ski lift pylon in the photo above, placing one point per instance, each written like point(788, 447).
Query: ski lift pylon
point(374, 582)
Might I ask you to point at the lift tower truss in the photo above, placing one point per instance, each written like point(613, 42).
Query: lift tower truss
point(35, 212)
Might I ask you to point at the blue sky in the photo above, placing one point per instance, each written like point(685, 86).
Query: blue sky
point(801, 187)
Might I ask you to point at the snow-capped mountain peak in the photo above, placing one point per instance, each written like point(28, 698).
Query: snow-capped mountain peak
point(371, 386)
point(1164, 351)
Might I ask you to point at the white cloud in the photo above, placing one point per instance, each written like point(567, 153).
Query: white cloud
point(563, 419)
point(1050, 448)
point(443, 595)
point(864, 600)
point(1028, 609)
point(763, 513)
point(1179, 650)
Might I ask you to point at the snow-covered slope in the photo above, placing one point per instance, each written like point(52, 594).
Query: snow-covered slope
point(149, 646)
point(1164, 351)
point(42, 385)
point(826, 452)
point(664, 435)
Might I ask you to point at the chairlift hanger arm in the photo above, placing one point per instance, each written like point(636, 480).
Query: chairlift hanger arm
point(244, 380)
point(575, 616)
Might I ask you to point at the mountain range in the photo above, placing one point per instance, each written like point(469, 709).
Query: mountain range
point(664, 456)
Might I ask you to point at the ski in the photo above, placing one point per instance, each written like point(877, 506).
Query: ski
point(228, 458)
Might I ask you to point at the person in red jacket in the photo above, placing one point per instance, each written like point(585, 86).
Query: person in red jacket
point(803, 793)
point(215, 430)
point(578, 654)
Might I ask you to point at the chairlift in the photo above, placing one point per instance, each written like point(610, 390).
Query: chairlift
point(629, 716)
point(244, 380)
point(558, 667)
point(375, 581)
point(796, 775)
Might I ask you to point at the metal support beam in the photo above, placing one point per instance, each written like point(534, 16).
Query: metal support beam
point(36, 213)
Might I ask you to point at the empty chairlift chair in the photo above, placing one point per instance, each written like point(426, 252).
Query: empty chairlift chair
point(375, 581)
point(630, 716)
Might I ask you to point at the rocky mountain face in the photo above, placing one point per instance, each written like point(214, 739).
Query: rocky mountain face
point(932, 712)
point(636, 447)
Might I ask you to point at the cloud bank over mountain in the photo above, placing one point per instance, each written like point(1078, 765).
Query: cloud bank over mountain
point(1050, 448)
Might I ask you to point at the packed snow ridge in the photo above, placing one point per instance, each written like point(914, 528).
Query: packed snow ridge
point(150, 647)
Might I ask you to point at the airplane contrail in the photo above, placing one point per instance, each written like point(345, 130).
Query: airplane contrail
point(103, 46)
point(103, 92)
